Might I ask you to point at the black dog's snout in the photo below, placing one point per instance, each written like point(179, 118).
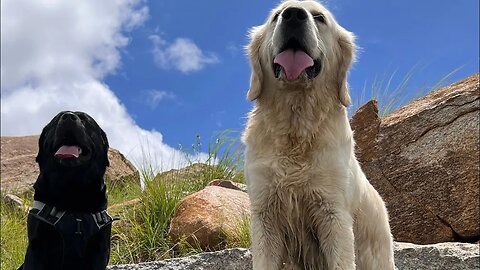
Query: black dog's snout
point(69, 116)
point(294, 16)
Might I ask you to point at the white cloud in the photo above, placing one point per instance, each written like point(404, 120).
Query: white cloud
point(231, 47)
point(183, 55)
point(153, 97)
point(55, 55)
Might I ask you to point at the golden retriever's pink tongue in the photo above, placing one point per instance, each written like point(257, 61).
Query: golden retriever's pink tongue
point(293, 63)
point(68, 151)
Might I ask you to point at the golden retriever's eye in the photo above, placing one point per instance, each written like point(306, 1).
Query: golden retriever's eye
point(319, 18)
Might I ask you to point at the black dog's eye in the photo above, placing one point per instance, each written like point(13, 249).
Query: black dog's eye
point(275, 17)
point(319, 18)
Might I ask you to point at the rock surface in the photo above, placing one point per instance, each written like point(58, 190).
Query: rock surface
point(18, 167)
point(451, 256)
point(206, 217)
point(228, 184)
point(19, 170)
point(189, 174)
point(13, 201)
point(448, 256)
point(423, 159)
point(229, 259)
point(121, 170)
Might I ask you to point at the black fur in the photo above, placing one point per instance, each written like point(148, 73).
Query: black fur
point(74, 185)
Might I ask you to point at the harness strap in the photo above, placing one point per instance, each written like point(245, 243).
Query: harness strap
point(49, 213)
point(52, 215)
point(102, 218)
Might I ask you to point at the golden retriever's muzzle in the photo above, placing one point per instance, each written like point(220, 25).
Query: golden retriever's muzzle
point(293, 52)
point(294, 25)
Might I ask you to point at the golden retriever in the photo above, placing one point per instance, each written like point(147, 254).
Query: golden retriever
point(312, 206)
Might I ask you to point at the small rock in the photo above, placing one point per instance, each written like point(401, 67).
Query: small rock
point(228, 184)
point(206, 217)
point(14, 201)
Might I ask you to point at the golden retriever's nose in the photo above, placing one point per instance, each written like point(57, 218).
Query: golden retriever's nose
point(294, 16)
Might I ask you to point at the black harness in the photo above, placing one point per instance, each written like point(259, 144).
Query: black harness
point(75, 229)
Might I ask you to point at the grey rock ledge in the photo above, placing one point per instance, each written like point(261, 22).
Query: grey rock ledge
point(451, 256)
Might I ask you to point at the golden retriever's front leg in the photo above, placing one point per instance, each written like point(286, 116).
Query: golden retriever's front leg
point(335, 233)
point(373, 240)
point(266, 248)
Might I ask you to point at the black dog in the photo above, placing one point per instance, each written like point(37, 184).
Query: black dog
point(68, 227)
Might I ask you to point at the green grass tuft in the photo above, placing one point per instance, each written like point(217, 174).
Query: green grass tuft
point(13, 234)
point(391, 93)
point(240, 236)
point(141, 235)
point(122, 193)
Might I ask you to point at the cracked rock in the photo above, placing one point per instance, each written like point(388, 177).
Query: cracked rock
point(424, 161)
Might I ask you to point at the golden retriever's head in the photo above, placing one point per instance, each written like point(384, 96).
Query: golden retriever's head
point(300, 46)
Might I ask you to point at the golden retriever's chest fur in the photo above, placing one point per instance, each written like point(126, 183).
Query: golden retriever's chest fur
point(294, 210)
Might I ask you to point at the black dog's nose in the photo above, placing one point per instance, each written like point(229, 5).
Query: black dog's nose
point(294, 16)
point(69, 116)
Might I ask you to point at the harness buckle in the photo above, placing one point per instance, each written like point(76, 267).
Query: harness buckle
point(79, 221)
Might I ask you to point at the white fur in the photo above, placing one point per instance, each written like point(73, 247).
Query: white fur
point(312, 206)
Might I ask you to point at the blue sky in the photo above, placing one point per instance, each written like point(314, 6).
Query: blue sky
point(393, 35)
point(174, 69)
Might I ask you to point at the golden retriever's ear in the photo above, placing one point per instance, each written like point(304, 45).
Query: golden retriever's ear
point(346, 56)
point(256, 79)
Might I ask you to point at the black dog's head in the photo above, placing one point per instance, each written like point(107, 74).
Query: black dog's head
point(73, 139)
point(72, 156)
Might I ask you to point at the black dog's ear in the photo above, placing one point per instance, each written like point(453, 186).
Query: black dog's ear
point(106, 146)
point(41, 141)
point(43, 136)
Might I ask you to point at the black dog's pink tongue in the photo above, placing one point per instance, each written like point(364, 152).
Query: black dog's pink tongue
point(68, 151)
point(293, 63)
